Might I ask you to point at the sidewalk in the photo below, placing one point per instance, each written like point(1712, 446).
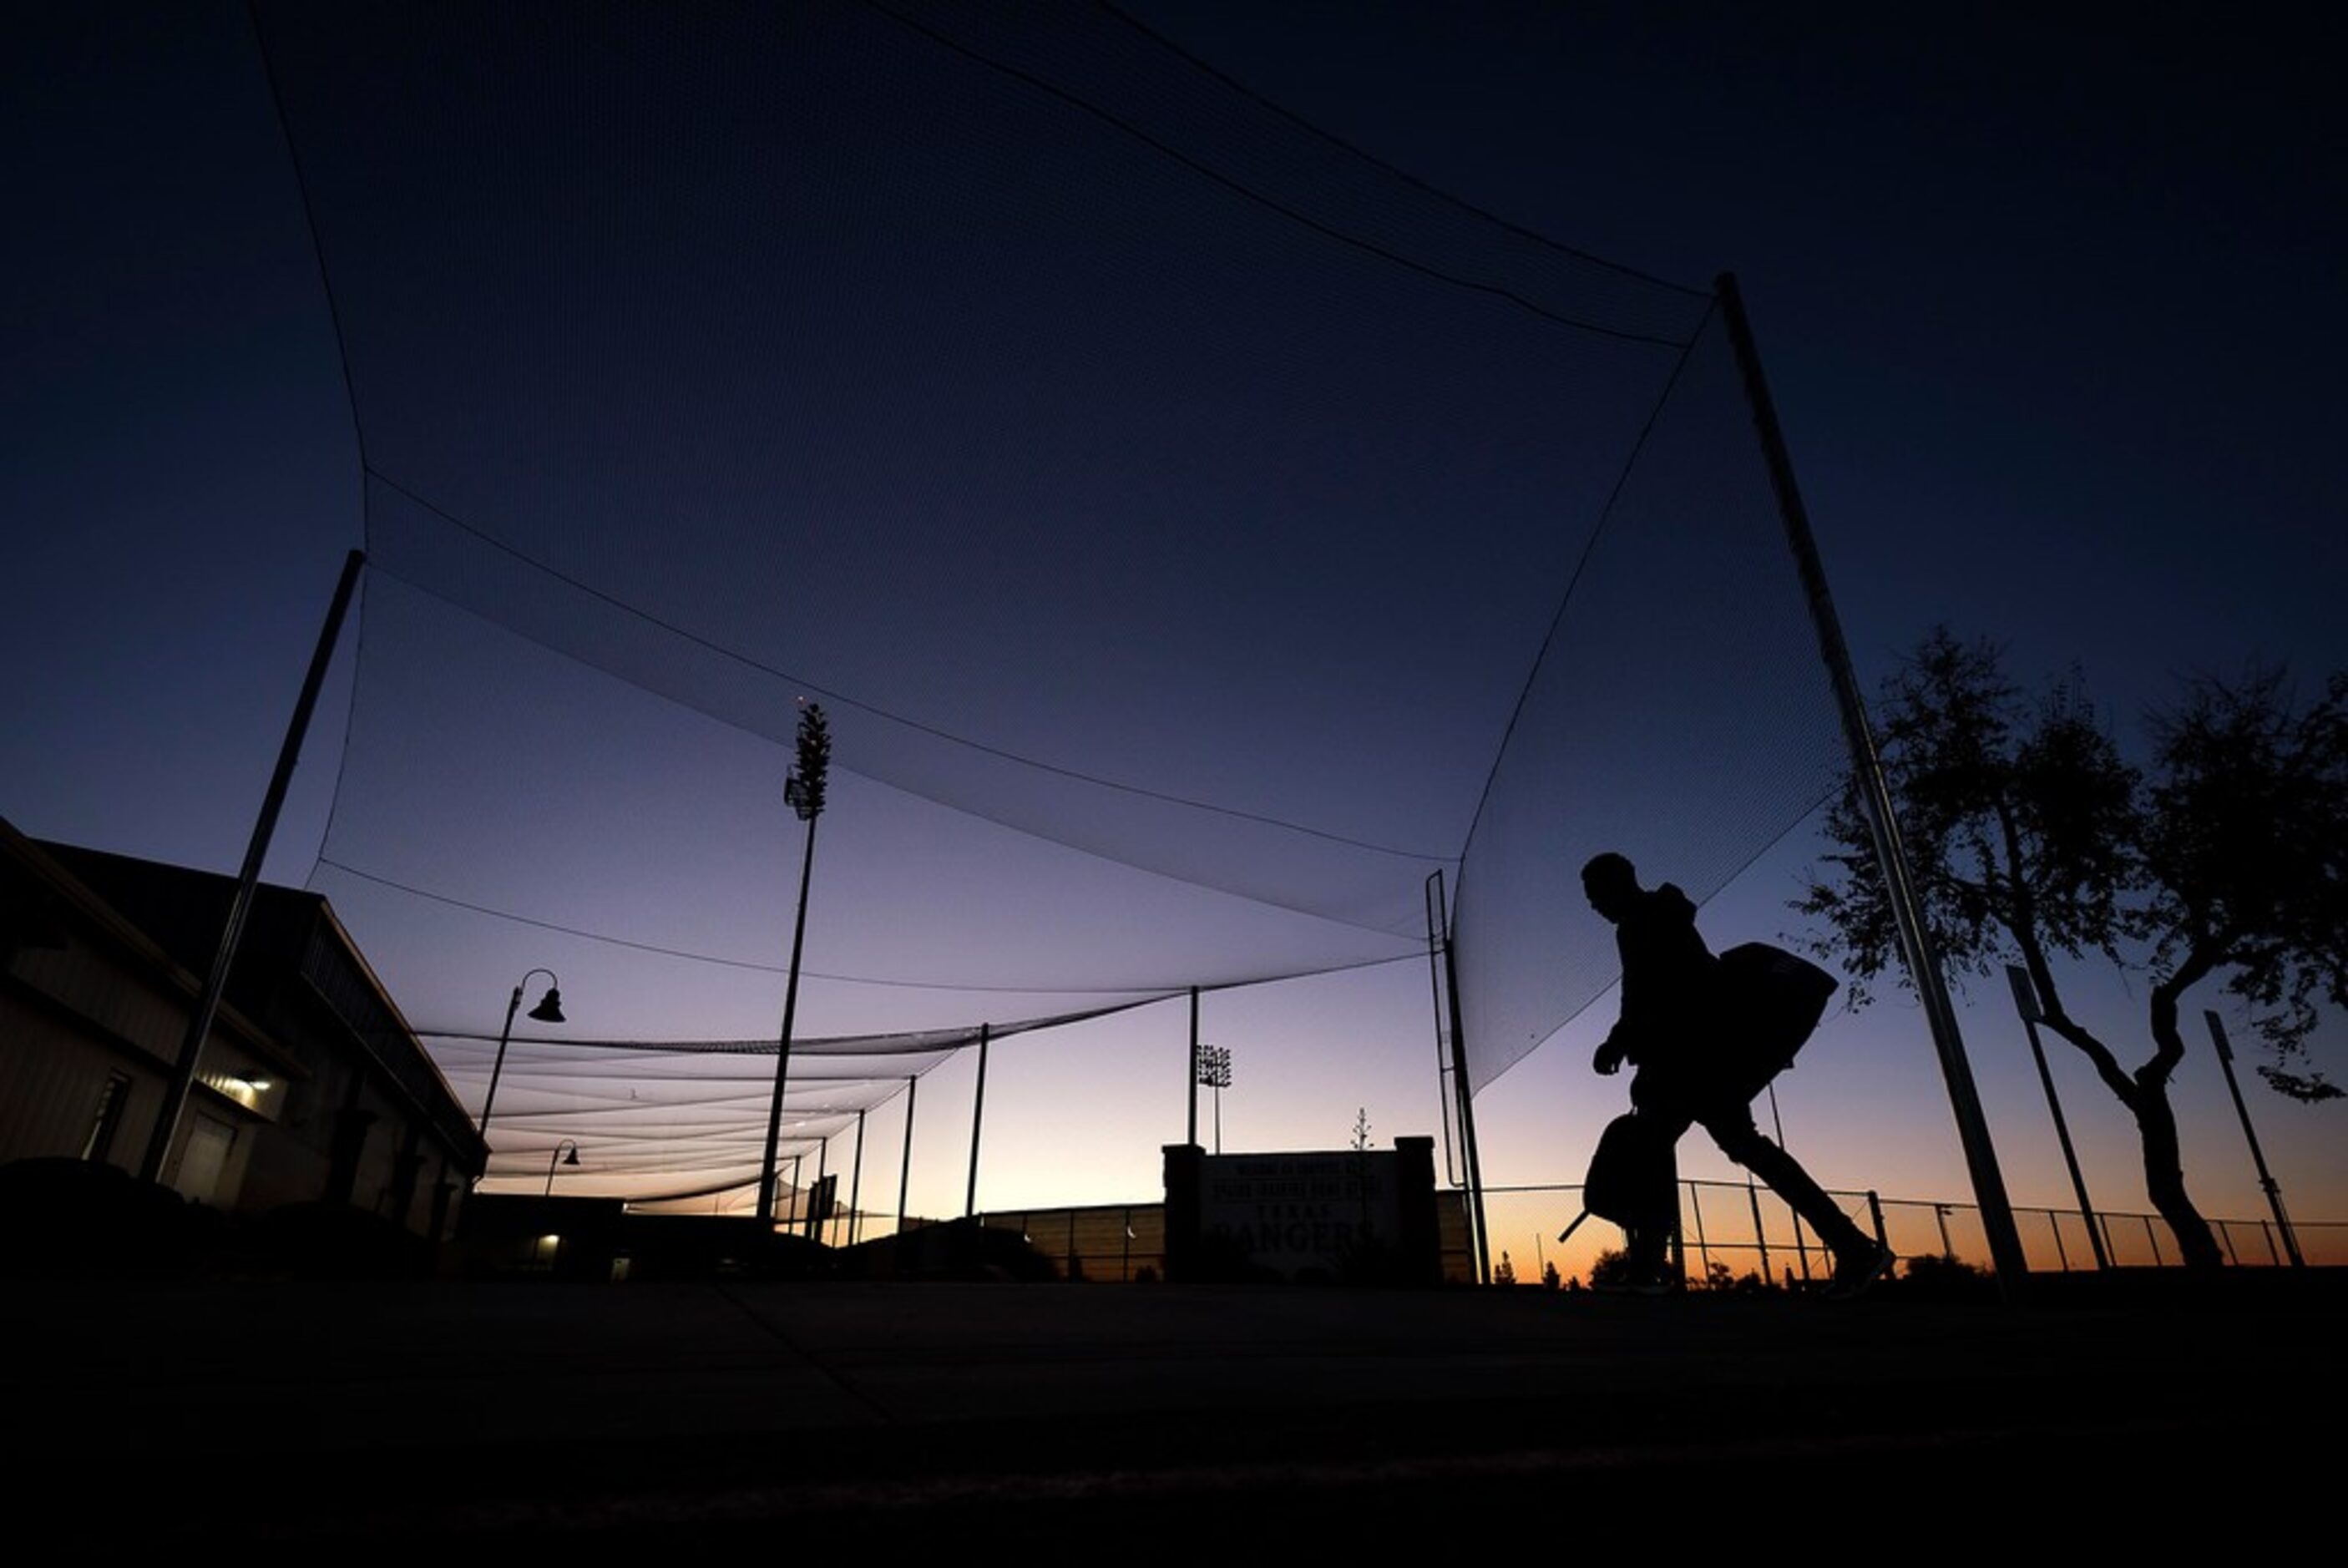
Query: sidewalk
point(708, 1414)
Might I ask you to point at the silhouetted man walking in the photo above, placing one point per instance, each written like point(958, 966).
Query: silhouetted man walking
point(1676, 1029)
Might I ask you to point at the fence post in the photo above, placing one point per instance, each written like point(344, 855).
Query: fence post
point(1760, 1233)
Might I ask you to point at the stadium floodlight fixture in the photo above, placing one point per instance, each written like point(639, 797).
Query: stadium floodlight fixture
point(803, 791)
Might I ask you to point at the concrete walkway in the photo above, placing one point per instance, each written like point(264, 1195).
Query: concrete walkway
point(1179, 1420)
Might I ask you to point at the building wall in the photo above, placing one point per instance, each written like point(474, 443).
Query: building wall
point(72, 1017)
point(310, 1087)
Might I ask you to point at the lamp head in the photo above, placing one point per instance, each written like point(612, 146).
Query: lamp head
point(549, 1008)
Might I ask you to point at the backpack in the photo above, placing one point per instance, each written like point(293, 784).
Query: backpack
point(1633, 1179)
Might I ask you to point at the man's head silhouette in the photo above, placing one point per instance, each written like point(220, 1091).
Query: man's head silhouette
point(1612, 884)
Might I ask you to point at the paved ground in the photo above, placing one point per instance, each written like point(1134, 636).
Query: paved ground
point(1145, 1420)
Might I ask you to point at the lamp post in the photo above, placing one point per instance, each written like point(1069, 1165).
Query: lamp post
point(559, 1158)
point(548, 1011)
point(804, 792)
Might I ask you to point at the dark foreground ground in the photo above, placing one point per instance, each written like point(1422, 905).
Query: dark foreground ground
point(1155, 1422)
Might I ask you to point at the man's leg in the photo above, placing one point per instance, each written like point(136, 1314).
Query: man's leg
point(1666, 1120)
point(1859, 1257)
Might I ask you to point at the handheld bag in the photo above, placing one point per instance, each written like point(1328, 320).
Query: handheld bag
point(1633, 1179)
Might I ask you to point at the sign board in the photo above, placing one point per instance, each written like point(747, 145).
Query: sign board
point(1301, 1213)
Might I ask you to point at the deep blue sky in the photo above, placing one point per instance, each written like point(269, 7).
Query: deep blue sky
point(2052, 309)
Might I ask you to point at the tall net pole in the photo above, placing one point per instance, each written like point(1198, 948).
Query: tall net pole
point(248, 881)
point(977, 1122)
point(1441, 931)
point(1875, 797)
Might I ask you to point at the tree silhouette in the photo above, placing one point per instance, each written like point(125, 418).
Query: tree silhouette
point(2029, 836)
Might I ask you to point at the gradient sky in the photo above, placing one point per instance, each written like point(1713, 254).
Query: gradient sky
point(2052, 314)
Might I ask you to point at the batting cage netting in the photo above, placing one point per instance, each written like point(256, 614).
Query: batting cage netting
point(1164, 501)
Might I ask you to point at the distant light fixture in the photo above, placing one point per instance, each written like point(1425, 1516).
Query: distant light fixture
point(565, 1153)
point(548, 1011)
point(247, 1088)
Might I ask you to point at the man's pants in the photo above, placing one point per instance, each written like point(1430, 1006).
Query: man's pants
point(1729, 1121)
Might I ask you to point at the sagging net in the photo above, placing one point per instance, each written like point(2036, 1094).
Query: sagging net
point(1164, 501)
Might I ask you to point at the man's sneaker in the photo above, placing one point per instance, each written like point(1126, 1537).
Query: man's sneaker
point(1640, 1281)
point(1857, 1269)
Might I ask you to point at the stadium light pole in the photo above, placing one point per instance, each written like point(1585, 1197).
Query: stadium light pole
point(1191, 1090)
point(1215, 1073)
point(804, 792)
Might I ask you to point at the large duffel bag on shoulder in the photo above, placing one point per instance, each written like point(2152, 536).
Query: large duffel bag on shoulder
point(1770, 1002)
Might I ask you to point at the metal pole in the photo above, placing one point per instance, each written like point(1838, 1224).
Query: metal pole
point(783, 1051)
point(978, 1115)
point(2267, 1182)
point(1432, 898)
point(498, 1064)
point(815, 1217)
point(905, 1170)
point(2026, 1001)
point(505, 1034)
point(1192, 1139)
point(556, 1158)
point(1875, 795)
point(856, 1184)
point(1678, 1231)
point(1801, 1242)
point(1466, 1096)
point(199, 1021)
point(1760, 1232)
point(805, 793)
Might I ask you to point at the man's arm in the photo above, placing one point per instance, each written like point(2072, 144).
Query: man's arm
point(1616, 1047)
